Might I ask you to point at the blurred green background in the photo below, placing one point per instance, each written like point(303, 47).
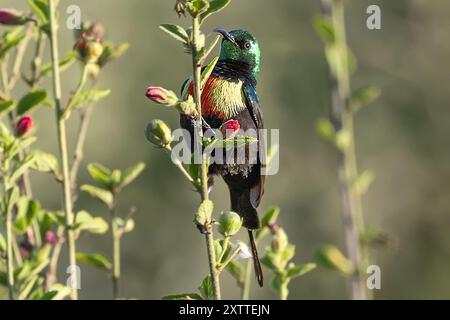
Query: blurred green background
point(404, 137)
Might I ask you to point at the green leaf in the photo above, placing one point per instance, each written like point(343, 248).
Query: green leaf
point(104, 196)
point(110, 52)
point(9, 43)
point(176, 32)
point(325, 130)
point(30, 101)
point(27, 287)
point(208, 70)
point(85, 222)
point(300, 269)
point(116, 176)
point(125, 225)
point(40, 9)
point(132, 173)
point(325, 30)
point(44, 162)
point(56, 292)
point(331, 257)
point(26, 212)
point(94, 260)
point(86, 97)
point(270, 217)
point(363, 97)
point(206, 288)
point(2, 244)
point(10, 198)
point(197, 7)
point(63, 64)
point(214, 7)
point(363, 182)
point(21, 167)
point(6, 106)
point(183, 296)
point(204, 212)
point(237, 270)
point(233, 142)
point(100, 174)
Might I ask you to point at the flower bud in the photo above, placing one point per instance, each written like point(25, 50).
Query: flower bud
point(12, 17)
point(158, 133)
point(229, 223)
point(280, 239)
point(162, 96)
point(230, 128)
point(24, 126)
point(180, 7)
point(51, 238)
point(89, 47)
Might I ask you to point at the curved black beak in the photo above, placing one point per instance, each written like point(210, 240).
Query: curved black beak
point(227, 35)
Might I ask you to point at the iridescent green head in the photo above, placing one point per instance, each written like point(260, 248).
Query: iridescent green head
point(240, 45)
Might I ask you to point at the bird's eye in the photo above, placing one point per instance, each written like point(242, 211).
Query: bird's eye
point(247, 45)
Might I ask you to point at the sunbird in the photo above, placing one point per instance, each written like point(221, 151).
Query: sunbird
point(230, 94)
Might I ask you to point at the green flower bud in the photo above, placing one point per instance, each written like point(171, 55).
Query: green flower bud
point(229, 223)
point(280, 239)
point(158, 133)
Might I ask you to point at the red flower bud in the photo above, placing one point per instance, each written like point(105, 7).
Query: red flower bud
point(230, 128)
point(161, 96)
point(24, 125)
point(11, 17)
point(89, 47)
point(51, 238)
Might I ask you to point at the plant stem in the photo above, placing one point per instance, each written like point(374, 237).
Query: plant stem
point(226, 241)
point(81, 83)
point(197, 69)
point(229, 259)
point(245, 293)
point(180, 167)
point(342, 119)
point(15, 75)
point(62, 141)
point(85, 117)
point(116, 253)
point(9, 254)
point(37, 60)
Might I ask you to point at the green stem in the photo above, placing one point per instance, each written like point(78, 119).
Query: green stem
point(10, 255)
point(343, 118)
point(116, 254)
point(181, 168)
point(209, 238)
point(228, 260)
point(81, 83)
point(62, 142)
point(226, 241)
point(245, 293)
point(20, 52)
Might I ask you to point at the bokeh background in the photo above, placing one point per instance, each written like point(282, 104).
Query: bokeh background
point(404, 138)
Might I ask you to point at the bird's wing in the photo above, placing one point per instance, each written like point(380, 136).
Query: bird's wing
point(254, 109)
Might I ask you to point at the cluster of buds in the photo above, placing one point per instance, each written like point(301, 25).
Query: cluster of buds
point(24, 126)
point(89, 47)
point(12, 17)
